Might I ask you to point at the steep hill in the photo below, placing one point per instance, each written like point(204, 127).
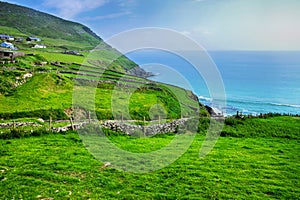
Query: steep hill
point(60, 35)
point(31, 22)
point(43, 81)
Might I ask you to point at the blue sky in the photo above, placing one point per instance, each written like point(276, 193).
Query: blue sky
point(215, 24)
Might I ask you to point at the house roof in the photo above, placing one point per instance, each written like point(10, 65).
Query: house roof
point(5, 36)
point(33, 38)
point(7, 43)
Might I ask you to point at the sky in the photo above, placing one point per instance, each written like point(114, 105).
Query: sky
point(214, 24)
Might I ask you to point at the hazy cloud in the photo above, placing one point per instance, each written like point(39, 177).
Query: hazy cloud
point(109, 16)
point(246, 25)
point(70, 8)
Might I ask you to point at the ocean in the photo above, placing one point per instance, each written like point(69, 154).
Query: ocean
point(255, 81)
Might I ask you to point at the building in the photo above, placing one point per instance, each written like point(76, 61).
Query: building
point(76, 53)
point(39, 46)
point(10, 54)
point(33, 39)
point(19, 39)
point(6, 55)
point(8, 45)
point(6, 37)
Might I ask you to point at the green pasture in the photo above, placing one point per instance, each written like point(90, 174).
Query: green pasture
point(58, 166)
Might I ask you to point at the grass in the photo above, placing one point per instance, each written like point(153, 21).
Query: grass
point(281, 126)
point(254, 159)
point(58, 166)
point(58, 56)
point(11, 31)
point(42, 91)
point(47, 90)
point(50, 91)
point(34, 23)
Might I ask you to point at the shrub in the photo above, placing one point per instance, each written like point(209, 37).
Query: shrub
point(16, 133)
point(230, 121)
point(203, 124)
point(6, 135)
point(44, 114)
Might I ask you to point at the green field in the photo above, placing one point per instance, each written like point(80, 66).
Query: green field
point(243, 167)
point(52, 87)
point(51, 91)
point(254, 157)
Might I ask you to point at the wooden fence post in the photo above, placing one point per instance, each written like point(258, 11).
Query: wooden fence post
point(50, 123)
point(72, 125)
point(144, 126)
point(89, 117)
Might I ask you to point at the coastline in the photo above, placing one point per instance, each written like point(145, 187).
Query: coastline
point(255, 81)
point(253, 108)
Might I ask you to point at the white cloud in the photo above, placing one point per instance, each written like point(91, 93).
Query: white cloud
point(70, 8)
point(246, 25)
point(127, 4)
point(109, 16)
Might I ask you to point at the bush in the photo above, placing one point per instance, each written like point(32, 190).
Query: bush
point(232, 121)
point(203, 124)
point(44, 114)
point(6, 135)
point(17, 133)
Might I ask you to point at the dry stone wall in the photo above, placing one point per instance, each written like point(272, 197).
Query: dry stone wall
point(132, 129)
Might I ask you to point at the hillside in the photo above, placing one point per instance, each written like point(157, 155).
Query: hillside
point(41, 82)
point(26, 21)
point(45, 90)
point(58, 35)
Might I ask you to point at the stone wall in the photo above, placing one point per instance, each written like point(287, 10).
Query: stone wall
point(69, 127)
point(149, 130)
point(18, 124)
point(177, 126)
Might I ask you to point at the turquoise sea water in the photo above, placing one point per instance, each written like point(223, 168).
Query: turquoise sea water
point(255, 81)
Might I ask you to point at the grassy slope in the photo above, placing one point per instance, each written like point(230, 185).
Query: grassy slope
point(35, 23)
point(58, 166)
point(35, 94)
point(286, 127)
point(51, 91)
point(47, 90)
point(58, 35)
point(41, 92)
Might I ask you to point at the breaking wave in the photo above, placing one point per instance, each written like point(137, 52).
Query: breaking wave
point(253, 107)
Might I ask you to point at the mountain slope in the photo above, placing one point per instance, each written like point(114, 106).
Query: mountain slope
point(51, 72)
point(32, 22)
point(60, 35)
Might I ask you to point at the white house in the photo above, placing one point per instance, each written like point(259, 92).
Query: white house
point(39, 46)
